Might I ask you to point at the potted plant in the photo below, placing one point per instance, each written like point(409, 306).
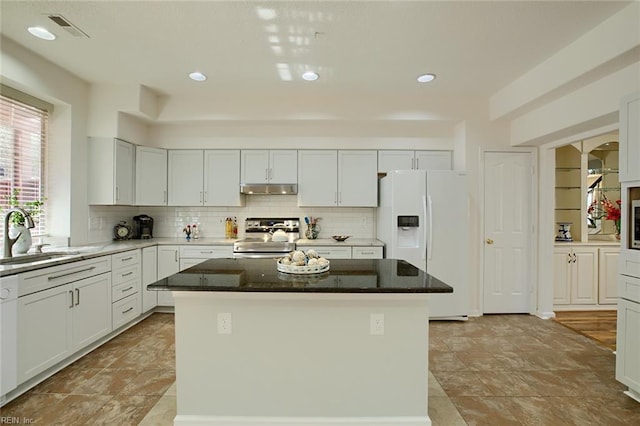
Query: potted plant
point(17, 220)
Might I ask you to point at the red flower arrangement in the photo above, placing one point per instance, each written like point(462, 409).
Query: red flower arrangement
point(608, 211)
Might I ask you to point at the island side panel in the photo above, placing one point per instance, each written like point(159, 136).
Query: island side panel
point(302, 355)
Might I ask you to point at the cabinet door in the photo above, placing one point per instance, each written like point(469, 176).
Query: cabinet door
point(395, 160)
point(91, 310)
point(222, 178)
point(168, 261)
point(562, 266)
point(433, 160)
point(630, 138)
point(151, 176)
point(168, 264)
point(608, 275)
point(358, 178)
point(124, 166)
point(149, 276)
point(186, 174)
point(283, 166)
point(44, 330)
point(627, 345)
point(317, 177)
point(255, 166)
point(584, 279)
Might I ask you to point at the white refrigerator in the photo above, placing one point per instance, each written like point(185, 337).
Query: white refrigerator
point(423, 218)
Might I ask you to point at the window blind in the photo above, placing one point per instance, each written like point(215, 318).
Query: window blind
point(23, 131)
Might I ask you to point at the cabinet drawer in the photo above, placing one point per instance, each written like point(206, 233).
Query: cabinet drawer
point(629, 288)
point(331, 252)
point(123, 290)
point(630, 263)
point(125, 310)
point(42, 279)
point(366, 252)
point(129, 273)
point(206, 252)
point(127, 258)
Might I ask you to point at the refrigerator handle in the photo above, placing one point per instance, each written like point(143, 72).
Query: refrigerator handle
point(430, 245)
point(424, 227)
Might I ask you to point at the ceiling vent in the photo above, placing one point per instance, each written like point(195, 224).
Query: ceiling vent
point(68, 26)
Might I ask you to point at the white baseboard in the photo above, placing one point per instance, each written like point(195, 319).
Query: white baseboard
point(189, 420)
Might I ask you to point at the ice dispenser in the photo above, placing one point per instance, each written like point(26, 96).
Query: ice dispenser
point(408, 231)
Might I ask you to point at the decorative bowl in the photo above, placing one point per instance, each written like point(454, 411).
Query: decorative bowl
point(340, 237)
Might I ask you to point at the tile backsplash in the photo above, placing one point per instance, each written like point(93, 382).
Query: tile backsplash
point(359, 222)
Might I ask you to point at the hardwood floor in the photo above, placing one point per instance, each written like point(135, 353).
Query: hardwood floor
point(597, 325)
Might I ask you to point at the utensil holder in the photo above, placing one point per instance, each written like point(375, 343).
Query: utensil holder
point(312, 231)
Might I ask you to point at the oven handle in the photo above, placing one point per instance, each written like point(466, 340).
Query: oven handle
point(258, 255)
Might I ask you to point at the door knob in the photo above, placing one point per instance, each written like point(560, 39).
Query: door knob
point(489, 241)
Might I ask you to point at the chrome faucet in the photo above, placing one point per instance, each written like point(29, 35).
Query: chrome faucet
point(8, 241)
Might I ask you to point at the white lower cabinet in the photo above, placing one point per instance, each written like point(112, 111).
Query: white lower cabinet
point(168, 264)
point(149, 276)
point(54, 323)
point(126, 278)
point(585, 276)
point(575, 278)
point(193, 255)
point(628, 345)
point(608, 259)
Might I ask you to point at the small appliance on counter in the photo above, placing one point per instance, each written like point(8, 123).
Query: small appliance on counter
point(142, 227)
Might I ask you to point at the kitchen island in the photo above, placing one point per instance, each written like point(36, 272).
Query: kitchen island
point(255, 346)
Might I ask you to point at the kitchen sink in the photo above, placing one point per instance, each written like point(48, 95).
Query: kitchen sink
point(31, 258)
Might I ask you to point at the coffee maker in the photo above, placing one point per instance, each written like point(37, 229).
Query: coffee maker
point(142, 227)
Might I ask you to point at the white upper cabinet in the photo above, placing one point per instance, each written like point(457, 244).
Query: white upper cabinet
point(630, 138)
point(357, 178)
point(337, 178)
point(413, 160)
point(204, 178)
point(110, 166)
point(269, 166)
point(151, 176)
point(185, 183)
point(222, 178)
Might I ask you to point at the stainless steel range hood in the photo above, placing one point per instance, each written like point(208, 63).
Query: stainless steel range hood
point(271, 188)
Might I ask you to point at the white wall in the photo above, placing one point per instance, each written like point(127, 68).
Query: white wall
point(67, 193)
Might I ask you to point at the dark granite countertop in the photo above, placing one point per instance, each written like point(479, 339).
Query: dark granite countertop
point(344, 276)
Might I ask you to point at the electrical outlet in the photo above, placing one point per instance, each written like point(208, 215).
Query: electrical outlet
point(377, 324)
point(224, 323)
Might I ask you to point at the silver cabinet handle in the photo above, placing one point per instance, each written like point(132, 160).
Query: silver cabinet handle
point(77, 296)
point(127, 274)
point(366, 252)
point(164, 196)
point(207, 252)
point(127, 310)
point(575, 258)
point(55, 277)
point(71, 293)
point(124, 259)
point(176, 255)
point(201, 196)
point(127, 289)
point(569, 256)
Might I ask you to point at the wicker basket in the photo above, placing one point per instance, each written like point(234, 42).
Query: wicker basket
point(293, 269)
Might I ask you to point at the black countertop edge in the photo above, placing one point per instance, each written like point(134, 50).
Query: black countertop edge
point(248, 289)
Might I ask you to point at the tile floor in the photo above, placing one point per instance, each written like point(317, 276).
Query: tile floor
point(496, 369)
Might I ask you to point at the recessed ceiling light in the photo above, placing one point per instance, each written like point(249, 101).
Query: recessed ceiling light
point(197, 76)
point(42, 33)
point(310, 76)
point(425, 78)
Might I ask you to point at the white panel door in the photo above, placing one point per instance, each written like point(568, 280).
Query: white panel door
point(584, 279)
point(222, 178)
point(149, 276)
point(186, 175)
point(562, 266)
point(608, 258)
point(357, 178)
point(317, 178)
point(151, 176)
point(508, 233)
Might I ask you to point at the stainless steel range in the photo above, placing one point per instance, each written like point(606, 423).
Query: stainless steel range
point(268, 237)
